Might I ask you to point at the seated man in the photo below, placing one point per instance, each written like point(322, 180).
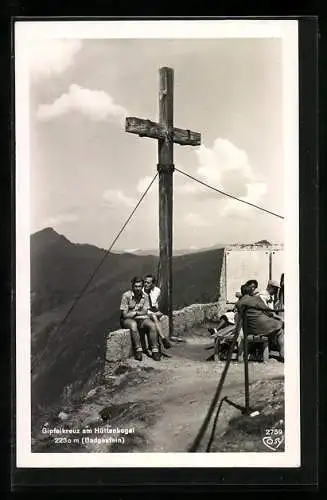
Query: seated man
point(134, 309)
point(261, 320)
point(270, 295)
point(154, 313)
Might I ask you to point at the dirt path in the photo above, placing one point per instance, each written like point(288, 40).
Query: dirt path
point(184, 388)
point(166, 402)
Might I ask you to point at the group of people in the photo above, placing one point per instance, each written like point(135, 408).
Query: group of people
point(139, 312)
point(261, 310)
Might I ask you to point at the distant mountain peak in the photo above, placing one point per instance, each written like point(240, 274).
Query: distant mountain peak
point(46, 230)
point(48, 236)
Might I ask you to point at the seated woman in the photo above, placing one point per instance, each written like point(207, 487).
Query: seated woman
point(260, 320)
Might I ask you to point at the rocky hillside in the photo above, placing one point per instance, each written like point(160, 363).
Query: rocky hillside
point(71, 357)
point(165, 403)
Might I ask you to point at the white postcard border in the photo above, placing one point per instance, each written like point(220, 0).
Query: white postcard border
point(288, 31)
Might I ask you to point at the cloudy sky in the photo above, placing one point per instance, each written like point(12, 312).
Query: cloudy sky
point(87, 173)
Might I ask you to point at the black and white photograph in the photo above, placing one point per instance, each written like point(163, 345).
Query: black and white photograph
point(156, 226)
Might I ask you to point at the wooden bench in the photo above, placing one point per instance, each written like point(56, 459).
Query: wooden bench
point(222, 347)
point(258, 349)
point(259, 346)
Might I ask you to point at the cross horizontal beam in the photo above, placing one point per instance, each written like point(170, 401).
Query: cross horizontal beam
point(147, 128)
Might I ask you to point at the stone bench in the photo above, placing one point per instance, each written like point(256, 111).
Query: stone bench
point(118, 345)
point(118, 342)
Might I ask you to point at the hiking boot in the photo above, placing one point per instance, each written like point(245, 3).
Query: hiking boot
point(138, 356)
point(166, 343)
point(156, 356)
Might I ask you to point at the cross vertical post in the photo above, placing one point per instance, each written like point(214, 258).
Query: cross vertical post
point(167, 135)
point(166, 168)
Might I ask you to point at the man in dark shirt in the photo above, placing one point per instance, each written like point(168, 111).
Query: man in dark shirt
point(261, 320)
point(134, 309)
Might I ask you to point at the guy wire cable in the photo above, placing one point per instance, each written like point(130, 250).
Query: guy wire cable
point(79, 296)
point(229, 195)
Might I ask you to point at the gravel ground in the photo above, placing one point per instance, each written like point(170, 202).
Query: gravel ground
point(164, 403)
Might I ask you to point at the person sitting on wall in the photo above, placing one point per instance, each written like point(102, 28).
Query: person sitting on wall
point(260, 320)
point(154, 312)
point(134, 309)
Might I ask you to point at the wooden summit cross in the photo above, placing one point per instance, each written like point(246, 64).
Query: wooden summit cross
point(167, 135)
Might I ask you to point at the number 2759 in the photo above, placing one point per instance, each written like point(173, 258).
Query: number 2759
point(274, 432)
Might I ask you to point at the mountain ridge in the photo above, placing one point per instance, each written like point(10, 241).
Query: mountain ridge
point(72, 354)
point(50, 235)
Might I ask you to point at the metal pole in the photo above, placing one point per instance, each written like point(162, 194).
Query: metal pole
point(215, 399)
point(246, 369)
point(270, 265)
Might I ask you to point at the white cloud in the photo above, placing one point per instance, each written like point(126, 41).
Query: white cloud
point(95, 104)
point(222, 158)
point(196, 220)
point(226, 167)
point(144, 183)
point(47, 57)
point(114, 198)
point(59, 220)
point(255, 192)
point(189, 188)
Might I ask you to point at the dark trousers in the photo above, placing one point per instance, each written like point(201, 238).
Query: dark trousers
point(135, 326)
point(275, 339)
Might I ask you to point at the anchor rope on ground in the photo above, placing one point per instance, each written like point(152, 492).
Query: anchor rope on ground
point(214, 426)
point(244, 409)
point(197, 441)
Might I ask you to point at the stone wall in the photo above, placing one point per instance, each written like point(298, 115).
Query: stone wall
point(223, 281)
point(273, 247)
point(118, 343)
